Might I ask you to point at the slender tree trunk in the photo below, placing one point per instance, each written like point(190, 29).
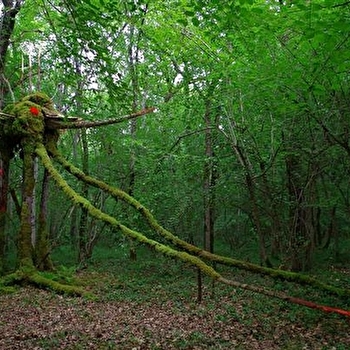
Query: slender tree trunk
point(42, 248)
point(73, 230)
point(131, 185)
point(83, 239)
point(4, 178)
point(83, 223)
point(208, 191)
point(33, 214)
point(7, 24)
point(209, 183)
point(133, 61)
point(255, 212)
point(300, 247)
point(276, 227)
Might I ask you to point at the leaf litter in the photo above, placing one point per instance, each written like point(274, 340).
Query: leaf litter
point(37, 319)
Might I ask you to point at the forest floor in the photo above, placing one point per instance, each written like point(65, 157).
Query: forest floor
point(151, 306)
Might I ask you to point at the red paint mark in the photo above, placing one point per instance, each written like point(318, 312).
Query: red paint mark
point(34, 110)
point(319, 307)
point(1, 172)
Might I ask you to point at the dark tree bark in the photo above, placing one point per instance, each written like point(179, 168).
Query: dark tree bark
point(300, 236)
point(255, 214)
point(7, 24)
point(209, 183)
point(42, 250)
point(4, 178)
point(83, 239)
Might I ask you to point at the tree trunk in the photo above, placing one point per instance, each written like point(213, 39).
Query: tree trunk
point(4, 178)
point(300, 246)
point(73, 230)
point(83, 223)
point(7, 25)
point(273, 209)
point(25, 248)
point(255, 212)
point(133, 61)
point(209, 183)
point(42, 248)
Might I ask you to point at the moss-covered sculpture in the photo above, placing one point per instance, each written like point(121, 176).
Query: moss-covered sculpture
point(28, 125)
point(23, 129)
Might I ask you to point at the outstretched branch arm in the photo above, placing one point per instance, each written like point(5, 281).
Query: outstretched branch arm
point(53, 123)
point(192, 249)
point(98, 214)
point(161, 248)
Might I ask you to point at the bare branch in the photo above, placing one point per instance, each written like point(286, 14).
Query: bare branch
point(60, 123)
point(187, 134)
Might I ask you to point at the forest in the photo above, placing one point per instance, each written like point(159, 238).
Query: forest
point(174, 174)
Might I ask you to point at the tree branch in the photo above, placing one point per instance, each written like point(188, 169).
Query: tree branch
point(60, 123)
point(187, 134)
point(187, 257)
point(192, 249)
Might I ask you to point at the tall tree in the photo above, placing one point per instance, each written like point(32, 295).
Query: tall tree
point(9, 10)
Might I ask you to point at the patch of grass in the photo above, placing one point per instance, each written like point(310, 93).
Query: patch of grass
point(62, 274)
point(7, 289)
point(64, 255)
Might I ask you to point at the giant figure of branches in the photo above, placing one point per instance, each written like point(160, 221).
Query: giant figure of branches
point(32, 127)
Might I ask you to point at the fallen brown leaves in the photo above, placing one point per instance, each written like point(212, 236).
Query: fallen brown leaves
point(34, 319)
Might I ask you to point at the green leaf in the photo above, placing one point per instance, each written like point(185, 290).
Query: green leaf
point(195, 21)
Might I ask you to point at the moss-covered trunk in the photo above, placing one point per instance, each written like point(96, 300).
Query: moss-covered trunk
point(25, 248)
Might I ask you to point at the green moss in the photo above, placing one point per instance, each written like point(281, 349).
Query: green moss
point(12, 279)
point(7, 289)
point(194, 250)
point(27, 275)
point(40, 99)
point(24, 240)
point(25, 123)
point(93, 211)
point(46, 283)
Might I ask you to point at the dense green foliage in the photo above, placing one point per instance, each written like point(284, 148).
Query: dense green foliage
point(267, 83)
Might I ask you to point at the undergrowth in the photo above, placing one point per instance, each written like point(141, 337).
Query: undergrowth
point(154, 282)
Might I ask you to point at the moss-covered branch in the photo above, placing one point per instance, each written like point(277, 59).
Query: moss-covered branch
point(27, 275)
point(165, 250)
point(192, 249)
point(95, 212)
